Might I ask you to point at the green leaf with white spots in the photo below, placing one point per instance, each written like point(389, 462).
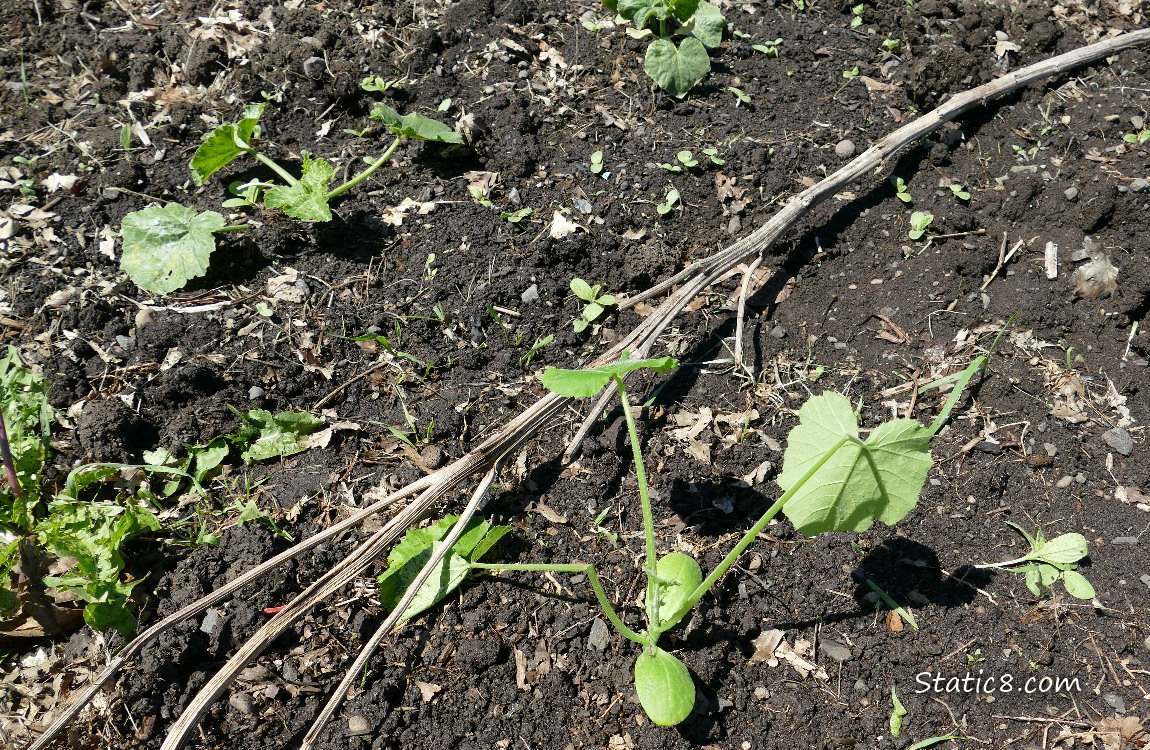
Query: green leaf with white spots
point(165, 247)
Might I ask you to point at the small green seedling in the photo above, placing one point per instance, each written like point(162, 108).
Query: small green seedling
point(907, 617)
point(740, 96)
point(164, 247)
point(891, 45)
point(668, 203)
point(676, 68)
point(375, 83)
point(852, 73)
point(857, 15)
point(897, 714)
point(713, 155)
point(515, 217)
point(539, 345)
point(1137, 138)
point(1050, 561)
point(595, 304)
point(901, 191)
point(959, 191)
point(596, 162)
point(126, 137)
point(919, 221)
point(770, 49)
point(685, 158)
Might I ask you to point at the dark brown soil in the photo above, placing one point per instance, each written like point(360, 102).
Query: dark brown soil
point(1053, 437)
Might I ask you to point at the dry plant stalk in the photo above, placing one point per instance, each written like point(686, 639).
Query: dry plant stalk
point(433, 488)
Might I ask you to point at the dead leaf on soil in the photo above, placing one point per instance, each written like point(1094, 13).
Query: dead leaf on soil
point(1121, 733)
point(395, 214)
point(427, 690)
point(771, 646)
point(561, 226)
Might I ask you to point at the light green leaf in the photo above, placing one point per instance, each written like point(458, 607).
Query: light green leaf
point(679, 575)
point(407, 558)
point(225, 143)
point(1077, 585)
point(584, 291)
point(641, 12)
point(415, 126)
point(897, 714)
point(708, 24)
point(1068, 548)
point(307, 199)
point(664, 686)
point(164, 247)
point(859, 482)
point(677, 69)
point(932, 741)
point(586, 383)
point(264, 436)
point(27, 416)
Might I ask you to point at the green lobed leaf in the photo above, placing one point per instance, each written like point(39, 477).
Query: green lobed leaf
point(225, 143)
point(642, 12)
point(685, 10)
point(881, 478)
point(165, 247)
point(415, 126)
point(307, 199)
point(264, 436)
point(677, 69)
point(679, 575)
point(664, 686)
point(707, 25)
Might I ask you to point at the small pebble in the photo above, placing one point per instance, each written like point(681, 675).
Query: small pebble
point(778, 332)
point(1065, 482)
point(761, 693)
point(600, 636)
point(530, 294)
point(1080, 478)
point(734, 225)
point(845, 149)
point(255, 393)
point(313, 67)
point(1145, 578)
point(211, 622)
point(987, 446)
point(242, 702)
point(357, 724)
point(1120, 440)
point(834, 650)
point(1071, 193)
point(1050, 449)
point(1131, 540)
point(1137, 186)
point(860, 686)
point(144, 317)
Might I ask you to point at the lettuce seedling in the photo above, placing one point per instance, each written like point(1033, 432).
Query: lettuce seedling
point(676, 68)
point(919, 221)
point(1049, 561)
point(165, 247)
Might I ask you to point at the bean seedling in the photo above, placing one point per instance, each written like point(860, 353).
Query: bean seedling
point(164, 247)
point(1049, 561)
point(675, 68)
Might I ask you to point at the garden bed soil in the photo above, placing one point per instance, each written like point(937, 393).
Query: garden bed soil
point(1051, 437)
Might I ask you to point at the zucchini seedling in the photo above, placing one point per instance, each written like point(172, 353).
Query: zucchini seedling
point(676, 68)
point(832, 479)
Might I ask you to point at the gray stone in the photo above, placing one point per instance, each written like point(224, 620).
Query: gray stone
point(834, 650)
point(313, 67)
point(1071, 193)
point(242, 702)
point(1065, 482)
point(581, 205)
point(600, 636)
point(778, 332)
point(1115, 701)
point(1131, 540)
point(734, 225)
point(845, 149)
point(357, 724)
point(255, 393)
point(1120, 440)
point(1146, 643)
point(211, 622)
point(1050, 449)
point(1145, 578)
point(1139, 185)
point(530, 294)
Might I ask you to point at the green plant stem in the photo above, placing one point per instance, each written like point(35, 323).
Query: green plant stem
point(231, 228)
point(270, 164)
point(586, 568)
point(652, 598)
point(752, 534)
point(367, 172)
point(9, 464)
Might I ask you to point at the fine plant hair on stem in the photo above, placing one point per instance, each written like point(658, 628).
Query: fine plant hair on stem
point(692, 280)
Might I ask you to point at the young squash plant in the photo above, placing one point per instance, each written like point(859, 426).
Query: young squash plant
point(675, 67)
point(165, 247)
point(832, 480)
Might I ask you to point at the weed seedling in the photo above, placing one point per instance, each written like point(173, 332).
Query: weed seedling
point(740, 96)
point(668, 203)
point(515, 217)
point(959, 191)
point(852, 73)
point(919, 221)
point(676, 68)
point(539, 345)
point(713, 155)
point(1050, 561)
point(901, 191)
point(1137, 139)
point(770, 49)
point(596, 162)
point(857, 15)
point(891, 45)
point(595, 304)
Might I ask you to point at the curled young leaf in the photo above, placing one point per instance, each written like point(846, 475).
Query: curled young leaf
point(225, 143)
point(415, 126)
point(679, 575)
point(307, 199)
point(664, 686)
